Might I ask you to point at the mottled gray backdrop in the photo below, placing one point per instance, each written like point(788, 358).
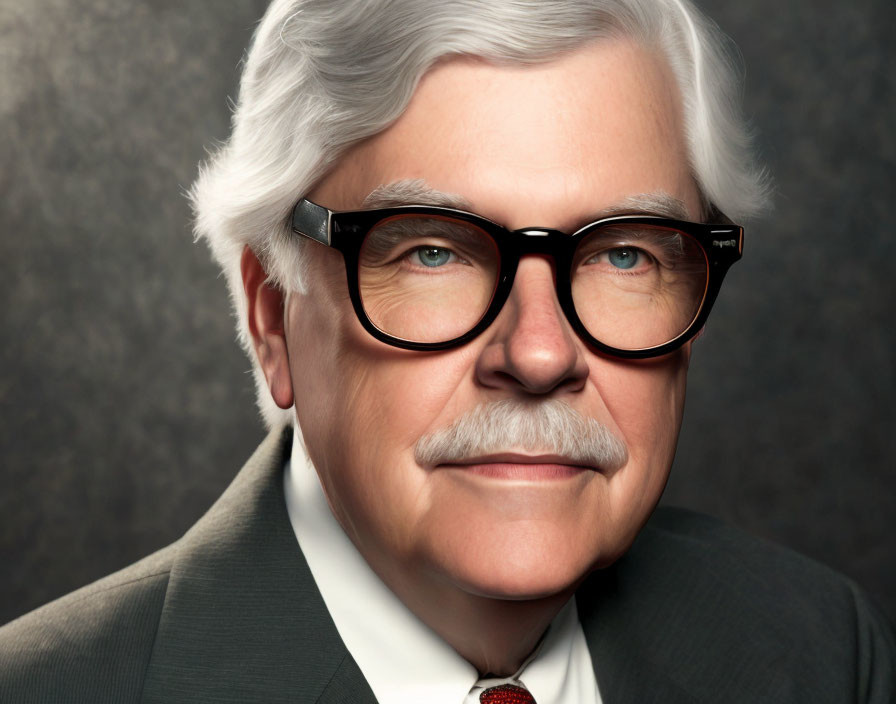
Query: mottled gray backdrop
point(126, 405)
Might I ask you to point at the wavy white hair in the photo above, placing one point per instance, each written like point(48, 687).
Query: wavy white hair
point(322, 74)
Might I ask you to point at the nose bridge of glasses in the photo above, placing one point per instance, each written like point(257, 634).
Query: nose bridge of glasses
point(539, 240)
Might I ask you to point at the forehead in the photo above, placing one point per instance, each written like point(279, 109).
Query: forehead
point(522, 143)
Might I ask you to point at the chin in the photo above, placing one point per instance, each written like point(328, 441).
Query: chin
point(523, 567)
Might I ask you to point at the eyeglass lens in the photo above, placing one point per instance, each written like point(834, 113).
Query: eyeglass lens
point(637, 286)
point(432, 278)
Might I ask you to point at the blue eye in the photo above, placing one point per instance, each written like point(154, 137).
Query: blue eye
point(623, 257)
point(433, 256)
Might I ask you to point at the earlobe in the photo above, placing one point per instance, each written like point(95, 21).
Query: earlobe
point(265, 311)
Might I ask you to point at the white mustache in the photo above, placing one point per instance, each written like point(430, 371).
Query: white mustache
point(546, 427)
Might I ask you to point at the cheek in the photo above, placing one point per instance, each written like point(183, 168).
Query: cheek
point(313, 320)
point(362, 405)
point(382, 407)
point(646, 401)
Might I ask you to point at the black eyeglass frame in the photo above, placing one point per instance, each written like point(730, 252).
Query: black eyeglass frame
point(722, 244)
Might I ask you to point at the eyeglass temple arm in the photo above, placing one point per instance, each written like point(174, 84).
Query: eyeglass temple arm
point(312, 220)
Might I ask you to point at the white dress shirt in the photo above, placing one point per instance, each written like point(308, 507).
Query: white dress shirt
point(403, 660)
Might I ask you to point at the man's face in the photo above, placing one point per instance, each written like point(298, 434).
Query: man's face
point(549, 145)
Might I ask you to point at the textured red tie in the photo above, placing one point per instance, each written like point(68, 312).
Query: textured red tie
point(506, 694)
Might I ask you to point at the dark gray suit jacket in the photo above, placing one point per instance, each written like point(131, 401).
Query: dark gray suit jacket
point(695, 612)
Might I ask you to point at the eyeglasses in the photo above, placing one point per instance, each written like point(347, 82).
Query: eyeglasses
point(431, 278)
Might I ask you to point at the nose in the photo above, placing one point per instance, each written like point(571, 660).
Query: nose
point(531, 348)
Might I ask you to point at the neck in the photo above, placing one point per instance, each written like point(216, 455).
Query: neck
point(494, 635)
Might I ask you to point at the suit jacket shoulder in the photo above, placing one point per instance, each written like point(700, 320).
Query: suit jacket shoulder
point(229, 613)
point(700, 612)
point(55, 653)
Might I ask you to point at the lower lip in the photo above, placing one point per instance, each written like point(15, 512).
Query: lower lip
point(508, 470)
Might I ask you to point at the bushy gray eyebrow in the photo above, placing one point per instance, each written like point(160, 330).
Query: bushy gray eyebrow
point(413, 192)
point(660, 204)
point(418, 192)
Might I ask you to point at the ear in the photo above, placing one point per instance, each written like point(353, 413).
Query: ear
point(265, 311)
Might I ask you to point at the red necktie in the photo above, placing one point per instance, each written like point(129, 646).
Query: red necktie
point(506, 694)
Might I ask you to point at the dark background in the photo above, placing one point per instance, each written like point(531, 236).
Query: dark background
point(126, 406)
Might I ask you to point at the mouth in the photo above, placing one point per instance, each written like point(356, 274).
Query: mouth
point(521, 467)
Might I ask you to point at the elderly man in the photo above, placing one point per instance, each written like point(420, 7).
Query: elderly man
point(471, 246)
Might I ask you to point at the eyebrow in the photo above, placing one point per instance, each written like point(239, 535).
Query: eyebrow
point(413, 192)
point(660, 204)
point(418, 192)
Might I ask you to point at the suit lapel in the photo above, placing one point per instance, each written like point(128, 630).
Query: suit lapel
point(347, 686)
point(243, 620)
point(683, 617)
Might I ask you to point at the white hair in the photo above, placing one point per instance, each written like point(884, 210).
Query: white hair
point(322, 74)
